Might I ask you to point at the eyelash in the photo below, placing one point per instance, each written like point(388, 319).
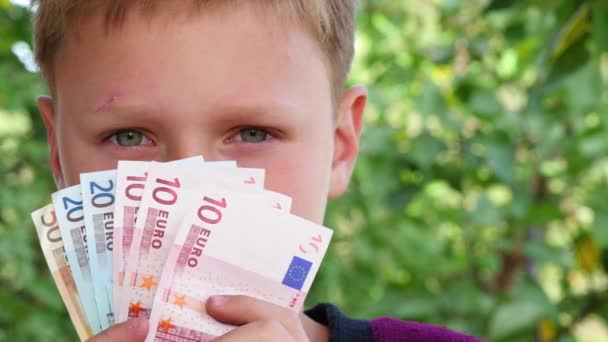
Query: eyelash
point(114, 136)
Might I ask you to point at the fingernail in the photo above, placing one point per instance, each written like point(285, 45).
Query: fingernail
point(218, 300)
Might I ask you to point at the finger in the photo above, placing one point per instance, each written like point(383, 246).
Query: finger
point(314, 330)
point(266, 331)
point(241, 310)
point(129, 331)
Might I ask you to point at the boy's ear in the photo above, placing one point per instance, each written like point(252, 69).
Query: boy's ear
point(349, 122)
point(47, 112)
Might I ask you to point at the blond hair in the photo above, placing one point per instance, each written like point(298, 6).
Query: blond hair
point(330, 22)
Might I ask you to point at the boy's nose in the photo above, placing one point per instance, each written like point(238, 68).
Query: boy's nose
point(184, 150)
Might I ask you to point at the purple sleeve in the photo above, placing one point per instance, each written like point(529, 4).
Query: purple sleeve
point(390, 329)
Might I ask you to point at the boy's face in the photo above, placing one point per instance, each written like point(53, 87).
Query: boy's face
point(228, 84)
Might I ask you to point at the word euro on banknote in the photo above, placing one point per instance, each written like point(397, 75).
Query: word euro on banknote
point(51, 243)
point(70, 216)
point(230, 245)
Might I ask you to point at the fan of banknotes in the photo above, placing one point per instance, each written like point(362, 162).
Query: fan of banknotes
point(157, 239)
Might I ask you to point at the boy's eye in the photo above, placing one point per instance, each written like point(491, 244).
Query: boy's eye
point(252, 135)
point(129, 138)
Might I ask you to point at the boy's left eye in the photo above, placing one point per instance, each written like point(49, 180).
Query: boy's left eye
point(252, 135)
point(129, 138)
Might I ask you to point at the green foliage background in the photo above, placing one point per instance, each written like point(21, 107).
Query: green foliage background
point(480, 198)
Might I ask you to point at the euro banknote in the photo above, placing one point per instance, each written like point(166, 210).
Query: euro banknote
point(47, 228)
point(98, 204)
point(221, 249)
point(70, 217)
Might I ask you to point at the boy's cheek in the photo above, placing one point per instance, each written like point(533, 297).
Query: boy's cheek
point(77, 157)
point(306, 182)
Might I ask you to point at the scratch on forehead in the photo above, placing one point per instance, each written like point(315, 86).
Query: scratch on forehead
point(106, 103)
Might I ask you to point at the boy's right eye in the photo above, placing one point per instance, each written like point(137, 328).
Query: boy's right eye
point(129, 138)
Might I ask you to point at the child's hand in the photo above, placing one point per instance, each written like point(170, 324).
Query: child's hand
point(129, 331)
point(257, 320)
point(262, 321)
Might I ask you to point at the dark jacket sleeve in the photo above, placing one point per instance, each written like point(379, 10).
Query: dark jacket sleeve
point(345, 329)
point(341, 328)
point(390, 329)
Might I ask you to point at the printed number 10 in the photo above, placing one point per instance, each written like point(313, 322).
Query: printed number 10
point(164, 194)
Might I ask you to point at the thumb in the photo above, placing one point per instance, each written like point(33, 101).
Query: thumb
point(134, 330)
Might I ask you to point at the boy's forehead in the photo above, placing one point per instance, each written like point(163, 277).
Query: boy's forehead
point(107, 101)
point(234, 56)
point(100, 26)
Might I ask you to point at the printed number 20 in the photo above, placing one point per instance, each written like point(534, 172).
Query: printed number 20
point(103, 199)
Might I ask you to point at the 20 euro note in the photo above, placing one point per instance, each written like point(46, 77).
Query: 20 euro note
point(131, 179)
point(98, 202)
point(230, 245)
point(70, 216)
point(51, 243)
point(161, 211)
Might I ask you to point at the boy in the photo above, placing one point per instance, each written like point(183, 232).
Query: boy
point(259, 82)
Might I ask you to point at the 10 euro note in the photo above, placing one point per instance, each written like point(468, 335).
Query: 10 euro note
point(70, 216)
point(131, 177)
point(98, 202)
point(51, 243)
point(161, 211)
point(227, 244)
point(130, 181)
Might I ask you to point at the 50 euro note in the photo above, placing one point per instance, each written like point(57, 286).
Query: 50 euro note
point(98, 203)
point(161, 210)
point(131, 177)
point(70, 216)
point(51, 243)
point(228, 244)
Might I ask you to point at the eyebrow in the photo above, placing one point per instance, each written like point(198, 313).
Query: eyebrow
point(268, 110)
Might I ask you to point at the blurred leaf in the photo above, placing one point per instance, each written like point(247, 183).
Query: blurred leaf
point(587, 253)
point(499, 4)
point(485, 104)
point(570, 61)
point(417, 308)
point(573, 31)
point(599, 15)
point(547, 331)
point(500, 158)
point(512, 318)
point(569, 50)
point(605, 260)
point(425, 150)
